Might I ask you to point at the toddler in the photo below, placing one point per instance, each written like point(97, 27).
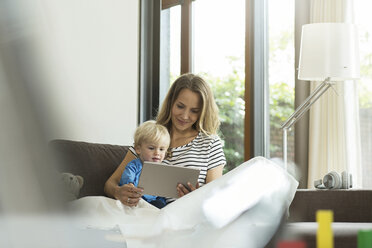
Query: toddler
point(151, 142)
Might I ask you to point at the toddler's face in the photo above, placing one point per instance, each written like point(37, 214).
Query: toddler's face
point(152, 151)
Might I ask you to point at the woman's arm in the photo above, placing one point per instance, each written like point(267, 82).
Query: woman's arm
point(214, 173)
point(127, 194)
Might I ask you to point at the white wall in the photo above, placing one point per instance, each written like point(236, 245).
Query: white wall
point(90, 57)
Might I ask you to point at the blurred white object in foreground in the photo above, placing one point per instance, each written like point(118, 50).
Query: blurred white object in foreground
point(241, 209)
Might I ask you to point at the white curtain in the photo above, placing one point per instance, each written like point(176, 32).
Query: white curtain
point(334, 136)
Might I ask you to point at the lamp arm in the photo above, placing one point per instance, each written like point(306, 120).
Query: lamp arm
point(300, 111)
point(310, 100)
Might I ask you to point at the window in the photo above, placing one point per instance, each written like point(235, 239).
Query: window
point(219, 57)
point(170, 50)
point(217, 49)
point(363, 19)
point(217, 46)
point(281, 73)
point(218, 53)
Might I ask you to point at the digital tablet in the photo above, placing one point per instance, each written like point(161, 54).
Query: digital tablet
point(161, 180)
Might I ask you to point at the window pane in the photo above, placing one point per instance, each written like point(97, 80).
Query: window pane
point(219, 36)
point(363, 19)
point(281, 73)
point(175, 42)
point(170, 47)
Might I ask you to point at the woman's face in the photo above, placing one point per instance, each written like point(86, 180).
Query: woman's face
point(185, 110)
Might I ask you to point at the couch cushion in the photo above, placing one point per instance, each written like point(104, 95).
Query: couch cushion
point(94, 162)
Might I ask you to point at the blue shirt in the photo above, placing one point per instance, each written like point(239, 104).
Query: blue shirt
point(132, 174)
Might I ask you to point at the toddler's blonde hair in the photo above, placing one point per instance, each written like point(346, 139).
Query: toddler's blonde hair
point(151, 132)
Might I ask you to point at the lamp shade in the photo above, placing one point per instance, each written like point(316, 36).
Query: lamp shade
point(329, 50)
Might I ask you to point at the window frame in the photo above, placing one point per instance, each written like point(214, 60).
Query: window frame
point(149, 58)
point(256, 128)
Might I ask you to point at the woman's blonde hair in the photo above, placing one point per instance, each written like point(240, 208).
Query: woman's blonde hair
point(150, 131)
point(208, 121)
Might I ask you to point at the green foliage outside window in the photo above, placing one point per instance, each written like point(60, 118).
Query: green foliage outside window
point(229, 94)
point(281, 103)
point(281, 107)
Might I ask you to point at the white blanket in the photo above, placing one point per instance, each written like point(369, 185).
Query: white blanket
point(105, 213)
point(243, 208)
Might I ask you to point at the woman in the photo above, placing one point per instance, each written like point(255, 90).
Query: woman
point(191, 116)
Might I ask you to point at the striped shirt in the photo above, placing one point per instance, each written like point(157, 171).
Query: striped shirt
point(203, 153)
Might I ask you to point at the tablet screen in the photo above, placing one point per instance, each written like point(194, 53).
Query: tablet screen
point(161, 180)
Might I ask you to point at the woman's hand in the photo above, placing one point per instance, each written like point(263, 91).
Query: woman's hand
point(182, 190)
point(211, 175)
point(128, 194)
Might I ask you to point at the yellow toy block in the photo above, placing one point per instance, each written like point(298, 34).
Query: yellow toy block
point(324, 235)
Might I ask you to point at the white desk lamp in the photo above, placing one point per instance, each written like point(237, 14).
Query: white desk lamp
point(329, 52)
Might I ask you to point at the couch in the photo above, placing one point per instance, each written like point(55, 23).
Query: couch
point(94, 162)
point(352, 208)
